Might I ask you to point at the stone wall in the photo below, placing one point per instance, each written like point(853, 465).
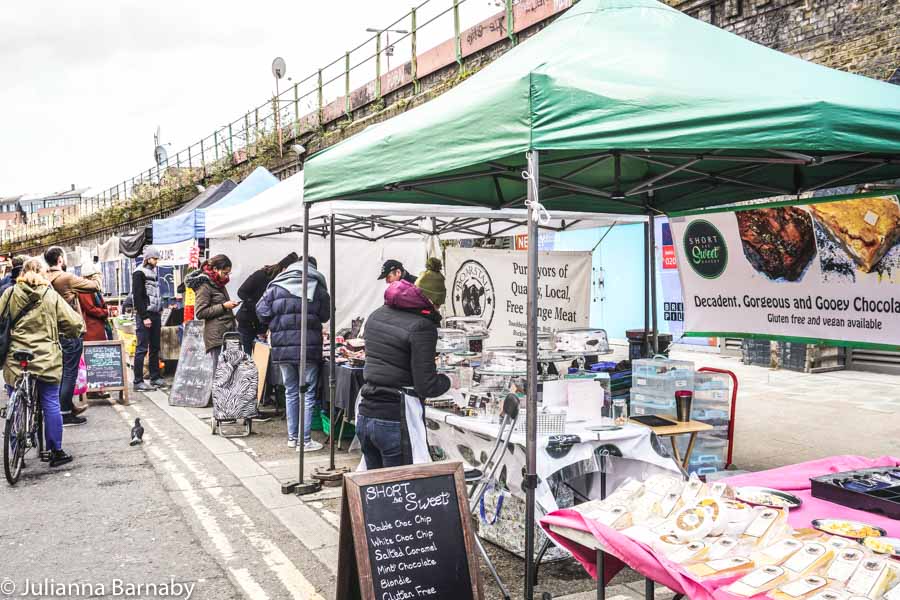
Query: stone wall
point(859, 36)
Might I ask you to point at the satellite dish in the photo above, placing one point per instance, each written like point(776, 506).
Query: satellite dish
point(160, 155)
point(279, 69)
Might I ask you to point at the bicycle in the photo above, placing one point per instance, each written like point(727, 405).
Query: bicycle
point(24, 421)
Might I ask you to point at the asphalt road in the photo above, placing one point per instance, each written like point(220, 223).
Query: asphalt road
point(166, 516)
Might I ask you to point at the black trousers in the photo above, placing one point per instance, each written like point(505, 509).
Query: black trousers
point(147, 342)
point(248, 337)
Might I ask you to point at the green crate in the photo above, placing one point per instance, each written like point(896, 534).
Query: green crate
point(317, 420)
point(349, 429)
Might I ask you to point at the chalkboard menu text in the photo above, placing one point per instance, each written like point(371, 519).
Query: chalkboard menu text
point(105, 364)
point(405, 535)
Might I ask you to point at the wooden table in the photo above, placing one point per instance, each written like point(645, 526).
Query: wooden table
point(677, 428)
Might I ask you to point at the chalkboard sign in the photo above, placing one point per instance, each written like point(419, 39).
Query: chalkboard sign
point(105, 362)
point(194, 377)
point(405, 534)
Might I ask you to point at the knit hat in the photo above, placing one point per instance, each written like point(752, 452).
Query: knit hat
point(431, 282)
point(151, 252)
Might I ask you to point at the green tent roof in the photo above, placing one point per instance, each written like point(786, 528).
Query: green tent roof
point(622, 97)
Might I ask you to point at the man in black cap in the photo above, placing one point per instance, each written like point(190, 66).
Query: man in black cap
point(392, 270)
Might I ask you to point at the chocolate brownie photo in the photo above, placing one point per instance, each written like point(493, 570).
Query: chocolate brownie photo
point(778, 242)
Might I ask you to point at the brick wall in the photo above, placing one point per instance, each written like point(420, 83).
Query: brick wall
point(859, 36)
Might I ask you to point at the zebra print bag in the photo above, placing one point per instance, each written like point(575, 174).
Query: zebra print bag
point(235, 385)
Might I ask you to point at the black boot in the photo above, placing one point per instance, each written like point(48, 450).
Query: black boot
point(59, 458)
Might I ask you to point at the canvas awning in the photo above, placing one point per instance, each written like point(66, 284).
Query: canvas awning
point(624, 97)
point(190, 221)
point(279, 209)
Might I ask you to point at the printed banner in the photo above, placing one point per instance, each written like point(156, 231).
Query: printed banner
point(824, 271)
point(173, 255)
point(493, 284)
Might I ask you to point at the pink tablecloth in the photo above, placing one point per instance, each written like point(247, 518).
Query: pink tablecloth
point(792, 478)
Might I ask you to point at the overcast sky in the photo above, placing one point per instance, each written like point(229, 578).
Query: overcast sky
point(86, 83)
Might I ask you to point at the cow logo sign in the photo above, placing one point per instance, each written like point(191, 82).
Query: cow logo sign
point(473, 292)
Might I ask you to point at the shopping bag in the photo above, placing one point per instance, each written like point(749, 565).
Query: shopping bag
point(81, 382)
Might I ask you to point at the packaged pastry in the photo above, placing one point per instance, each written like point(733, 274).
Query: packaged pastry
point(837, 543)
point(693, 490)
point(721, 490)
point(667, 505)
point(669, 544)
point(871, 579)
point(809, 559)
point(716, 508)
point(738, 516)
point(693, 523)
point(830, 594)
point(758, 581)
point(722, 547)
point(845, 563)
point(691, 552)
point(721, 567)
point(626, 493)
point(617, 517)
point(766, 523)
point(799, 589)
point(778, 552)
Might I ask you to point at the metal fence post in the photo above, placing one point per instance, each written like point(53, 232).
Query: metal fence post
point(190, 164)
point(178, 160)
point(230, 142)
point(247, 134)
point(378, 65)
point(256, 130)
point(203, 158)
point(296, 111)
point(321, 100)
point(414, 63)
point(457, 37)
point(347, 83)
point(510, 22)
point(216, 143)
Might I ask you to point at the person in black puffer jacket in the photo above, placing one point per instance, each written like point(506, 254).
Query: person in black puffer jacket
point(401, 339)
point(280, 309)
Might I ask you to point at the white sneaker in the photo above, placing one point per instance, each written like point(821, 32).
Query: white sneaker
point(311, 446)
point(292, 443)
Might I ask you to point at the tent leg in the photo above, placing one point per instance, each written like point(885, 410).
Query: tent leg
point(302, 486)
point(332, 476)
point(646, 345)
point(651, 226)
point(332, 373)
point(530, 482)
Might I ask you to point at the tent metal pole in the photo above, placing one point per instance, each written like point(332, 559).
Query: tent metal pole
point(530, 482)
point(651, 227)
point(302, 486)
point(646, 344)
point(332, 371)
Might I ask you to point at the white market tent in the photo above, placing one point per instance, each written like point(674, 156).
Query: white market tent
point(268, 227)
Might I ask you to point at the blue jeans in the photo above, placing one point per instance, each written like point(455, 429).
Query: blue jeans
point(71, 348)
point(53, 425)
point(380, 441)
point(290, 373)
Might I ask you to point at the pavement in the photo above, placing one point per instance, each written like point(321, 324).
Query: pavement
point(192, 508)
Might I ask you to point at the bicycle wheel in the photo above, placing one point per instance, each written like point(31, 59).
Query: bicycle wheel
point(14, 440)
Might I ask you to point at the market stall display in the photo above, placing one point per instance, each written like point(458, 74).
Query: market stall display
point(703, 541)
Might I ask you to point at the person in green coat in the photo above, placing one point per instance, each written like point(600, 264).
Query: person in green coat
point(38, 331)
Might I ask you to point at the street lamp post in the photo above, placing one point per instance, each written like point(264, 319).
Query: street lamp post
point(388, 50)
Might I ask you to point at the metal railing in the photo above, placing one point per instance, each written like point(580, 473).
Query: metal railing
point(329, 93)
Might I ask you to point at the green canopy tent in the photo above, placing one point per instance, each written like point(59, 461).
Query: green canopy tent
point(621, 106)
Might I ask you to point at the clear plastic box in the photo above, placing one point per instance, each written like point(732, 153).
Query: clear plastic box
point(680, 370)
point(587, 341)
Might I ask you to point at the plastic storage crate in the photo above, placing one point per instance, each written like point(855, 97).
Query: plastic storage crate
point(652, 367)
point(709, 455)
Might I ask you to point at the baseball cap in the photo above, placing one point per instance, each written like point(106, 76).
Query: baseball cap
point(388, 266)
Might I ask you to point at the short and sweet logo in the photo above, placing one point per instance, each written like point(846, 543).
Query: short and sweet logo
point(705, 249)
point(473, 292)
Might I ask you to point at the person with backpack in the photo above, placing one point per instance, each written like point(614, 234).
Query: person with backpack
point(38, 317)
point(148, 320)
point(280, 309)
point(69, 286)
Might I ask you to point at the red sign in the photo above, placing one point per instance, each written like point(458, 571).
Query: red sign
point(668, 257)
point(522, 241)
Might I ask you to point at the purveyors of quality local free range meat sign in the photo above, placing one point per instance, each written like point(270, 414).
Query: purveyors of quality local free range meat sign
point(828, 270)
